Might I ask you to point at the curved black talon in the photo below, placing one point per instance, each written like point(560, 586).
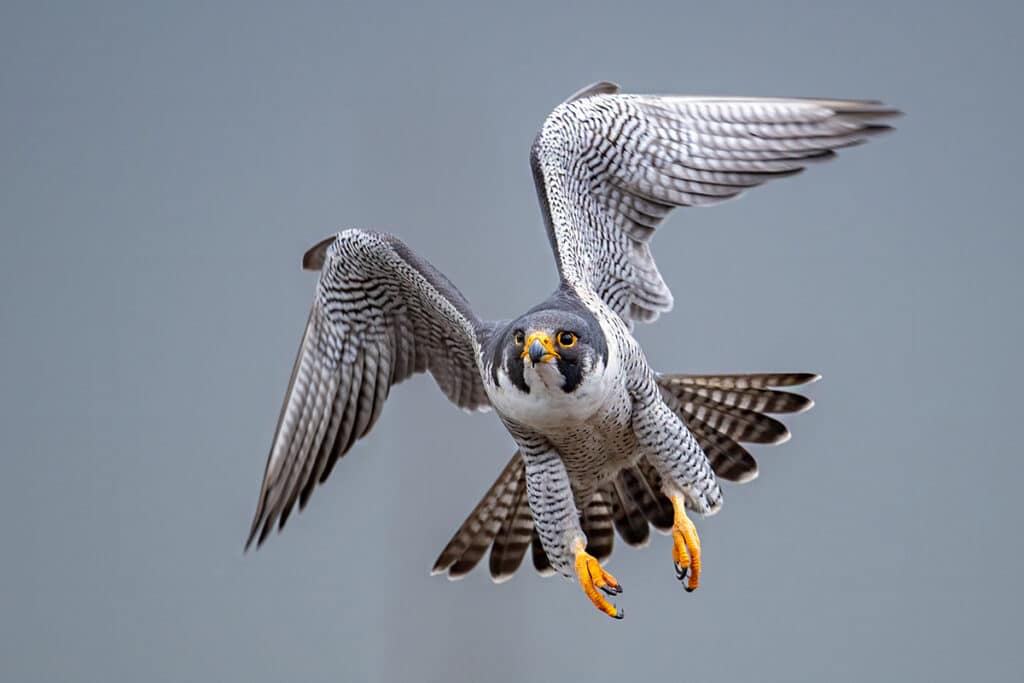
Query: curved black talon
point(681, 573)
point(688, 589)
point(611, 590)
point(618, 613)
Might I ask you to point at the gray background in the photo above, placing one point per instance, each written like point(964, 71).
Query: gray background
point(162, 171)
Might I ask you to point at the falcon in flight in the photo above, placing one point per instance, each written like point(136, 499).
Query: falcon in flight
point(603, 440)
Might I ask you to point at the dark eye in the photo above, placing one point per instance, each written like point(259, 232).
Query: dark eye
point(518, 337)
point(566, 340)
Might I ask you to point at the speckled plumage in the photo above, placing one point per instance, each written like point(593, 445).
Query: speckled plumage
point(603, 440)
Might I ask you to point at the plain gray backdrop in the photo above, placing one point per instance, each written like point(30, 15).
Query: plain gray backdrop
point(163, 166)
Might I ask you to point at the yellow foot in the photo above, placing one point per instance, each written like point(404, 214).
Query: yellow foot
point(592, 577)
point(685, 546)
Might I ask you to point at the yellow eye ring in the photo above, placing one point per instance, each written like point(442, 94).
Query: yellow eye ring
point(517, 337)
point(567, 340)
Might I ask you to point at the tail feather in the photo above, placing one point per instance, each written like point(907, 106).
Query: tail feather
point(630, 520)
point(660, 513)
point(724, 410)
point(738, 423)
point(596, 522)
point(540, 558)
point(471, 541)
point(758, 400)
point(743, 382)
point(513, 538)
point(728, 459)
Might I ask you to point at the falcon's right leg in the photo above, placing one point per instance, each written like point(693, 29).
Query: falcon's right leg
point(558, 526)
point(592, 576)
point(685, 545)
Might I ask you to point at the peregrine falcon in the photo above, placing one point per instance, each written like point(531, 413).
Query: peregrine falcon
point(603, 440)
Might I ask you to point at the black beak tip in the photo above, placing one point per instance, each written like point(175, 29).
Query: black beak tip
point(537, 351)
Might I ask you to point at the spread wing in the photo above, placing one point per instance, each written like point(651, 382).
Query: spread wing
point(380, 314)
point(609, 167)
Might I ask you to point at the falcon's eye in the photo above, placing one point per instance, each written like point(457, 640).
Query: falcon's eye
point(517, 337)
point(566, 340)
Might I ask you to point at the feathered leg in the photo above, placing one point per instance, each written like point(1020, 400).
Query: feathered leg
point(558, 525)
point(687, 479)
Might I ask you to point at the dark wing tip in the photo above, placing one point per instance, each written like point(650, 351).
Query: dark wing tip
point(253, 531)
point(258, 533)
point(314, 258)
point(876, 129)
point(874, 109)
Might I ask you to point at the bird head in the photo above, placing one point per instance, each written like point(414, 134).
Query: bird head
point(552, 349)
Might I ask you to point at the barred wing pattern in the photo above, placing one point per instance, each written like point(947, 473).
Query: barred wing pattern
point(380, 314)
point(609, 167)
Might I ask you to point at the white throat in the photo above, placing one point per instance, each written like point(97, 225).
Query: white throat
point(548, 406)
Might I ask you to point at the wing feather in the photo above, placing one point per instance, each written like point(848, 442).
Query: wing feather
point(513, 538)
point(380, 314)
point(609, 167)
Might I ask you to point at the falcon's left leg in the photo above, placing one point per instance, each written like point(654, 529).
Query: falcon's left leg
point(686, 477)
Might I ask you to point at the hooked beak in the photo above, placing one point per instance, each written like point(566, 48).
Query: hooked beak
point(539, 348)
point(537, 351)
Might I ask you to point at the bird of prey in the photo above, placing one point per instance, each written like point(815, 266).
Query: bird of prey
point(603, 440)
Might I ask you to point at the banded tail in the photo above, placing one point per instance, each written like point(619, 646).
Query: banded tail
point(722, 411)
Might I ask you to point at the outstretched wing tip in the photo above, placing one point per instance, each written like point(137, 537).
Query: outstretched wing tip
point(316, 255)
point(599, 88)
